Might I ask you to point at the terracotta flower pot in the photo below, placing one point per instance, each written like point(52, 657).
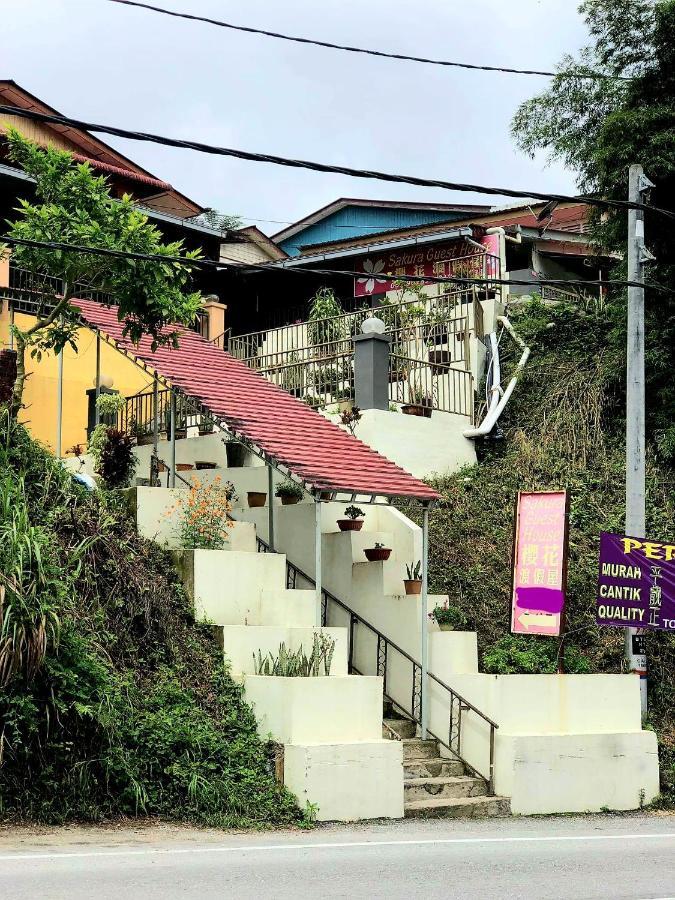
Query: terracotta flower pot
point(201, 465)
point(184, 467)
point(256, 498)
point(144, 440)
point(161, 467)
point(377, 554)
point(289, 501)
point(439, 361)
point(410, 409)
point(413, 585)
point(350, 524)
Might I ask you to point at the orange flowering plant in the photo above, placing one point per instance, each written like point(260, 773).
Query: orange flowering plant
point(204, 515)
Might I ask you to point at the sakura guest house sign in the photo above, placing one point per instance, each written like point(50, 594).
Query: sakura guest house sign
point(539, 563)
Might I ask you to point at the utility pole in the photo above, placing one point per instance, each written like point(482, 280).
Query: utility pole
point(638, 255)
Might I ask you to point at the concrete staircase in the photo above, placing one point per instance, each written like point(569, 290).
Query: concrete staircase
point(435, 786)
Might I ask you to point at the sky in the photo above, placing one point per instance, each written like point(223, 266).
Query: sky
point(96, 60)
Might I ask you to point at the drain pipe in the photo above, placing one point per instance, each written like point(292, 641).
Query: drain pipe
point(497, 404)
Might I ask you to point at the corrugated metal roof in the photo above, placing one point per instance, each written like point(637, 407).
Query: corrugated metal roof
point(286, 430)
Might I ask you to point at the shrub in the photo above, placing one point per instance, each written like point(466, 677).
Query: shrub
point(448, 615)
point(116, 460)
point(204, 515)
point(289, 488)
point(520, 654)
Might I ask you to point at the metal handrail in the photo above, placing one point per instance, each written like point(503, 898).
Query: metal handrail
point(384, 644)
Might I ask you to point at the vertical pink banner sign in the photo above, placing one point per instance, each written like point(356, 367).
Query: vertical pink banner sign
point(539, 563)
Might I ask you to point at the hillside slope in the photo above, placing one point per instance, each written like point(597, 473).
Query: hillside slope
point(562, 429)
point(112, 701)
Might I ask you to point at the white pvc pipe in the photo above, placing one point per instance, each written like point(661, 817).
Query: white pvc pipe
point(496, 409)
point(424, 628)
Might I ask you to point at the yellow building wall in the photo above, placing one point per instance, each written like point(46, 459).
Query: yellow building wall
point(79, 374)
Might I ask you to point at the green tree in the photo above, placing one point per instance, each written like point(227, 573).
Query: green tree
point(599, 128)
point(74, 206)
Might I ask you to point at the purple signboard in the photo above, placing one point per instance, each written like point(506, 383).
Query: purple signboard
point(636, 583)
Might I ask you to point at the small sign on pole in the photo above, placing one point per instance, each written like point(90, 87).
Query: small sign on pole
point(539, 563)
point(636, 585)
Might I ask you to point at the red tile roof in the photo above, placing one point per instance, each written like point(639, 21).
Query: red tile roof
point(123, 173)
point(284, 428)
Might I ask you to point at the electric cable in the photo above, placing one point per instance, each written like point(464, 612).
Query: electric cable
point(214, 150)
point(345, 273)
point(365, 50)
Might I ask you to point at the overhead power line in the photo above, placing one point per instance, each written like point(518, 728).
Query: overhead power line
point(345, 273)
point(366, 50)
point(215, 150)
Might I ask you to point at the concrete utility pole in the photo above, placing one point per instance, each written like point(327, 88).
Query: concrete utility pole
point(638, 186)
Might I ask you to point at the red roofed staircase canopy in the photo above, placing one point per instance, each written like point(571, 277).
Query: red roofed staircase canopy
point(284, 429)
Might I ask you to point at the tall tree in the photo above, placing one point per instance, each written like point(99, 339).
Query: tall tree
point(75, 206)
point(599, 128)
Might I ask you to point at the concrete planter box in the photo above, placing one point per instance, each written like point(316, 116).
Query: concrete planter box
point(339, 709)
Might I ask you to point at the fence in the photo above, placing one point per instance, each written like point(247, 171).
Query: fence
point(137, 416)
point(423, 387)
point(379, 658)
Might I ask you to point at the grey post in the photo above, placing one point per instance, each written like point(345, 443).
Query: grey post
point(371, 369)
point(173, 439)
point(424, 626)
point(638, 185)
point(59, 406)
point(97, 415)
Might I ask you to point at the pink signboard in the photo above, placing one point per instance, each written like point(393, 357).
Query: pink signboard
point(539, 563)
point(376, 274)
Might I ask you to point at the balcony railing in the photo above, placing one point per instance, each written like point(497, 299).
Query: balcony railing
point(423, 387)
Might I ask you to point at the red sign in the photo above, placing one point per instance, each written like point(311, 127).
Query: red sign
point(377, 273)
point(539, 563)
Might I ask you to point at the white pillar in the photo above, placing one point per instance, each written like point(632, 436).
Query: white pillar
point(270, 507)
point(424, 625)
point(317, 557)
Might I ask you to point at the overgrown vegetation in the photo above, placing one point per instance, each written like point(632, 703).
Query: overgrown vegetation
point(113, 702)
point(564, 428)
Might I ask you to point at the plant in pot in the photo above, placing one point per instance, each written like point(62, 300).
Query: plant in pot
point(378, 553)
point(419, 403)
point(256, 499)
point(354, 520)
point(448, 617)
point(413, 583)
point(289, 492)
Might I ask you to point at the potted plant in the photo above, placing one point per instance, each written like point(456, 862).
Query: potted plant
point(354, 520)
point(419, 404)
point(378, 553)
point(256, 499)
point(448, 617)
point(289, 491)
point(413, 583)
point(439, 361)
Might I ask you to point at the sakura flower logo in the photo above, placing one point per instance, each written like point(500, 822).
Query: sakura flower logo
point(370, 271)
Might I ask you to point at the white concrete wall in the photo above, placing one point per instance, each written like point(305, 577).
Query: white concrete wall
point(348, 782)
point(241, 642)
point(577, 772)
point(155, 521)
point(423, 447)
point(341, 709)
point(227, 586)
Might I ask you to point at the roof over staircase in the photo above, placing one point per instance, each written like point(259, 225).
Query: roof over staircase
point(283, 428)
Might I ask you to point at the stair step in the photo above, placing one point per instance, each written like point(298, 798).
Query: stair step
point(404, 728)
point(462, 808)
point(416, 748)
point(433, 768)
point(449, 787)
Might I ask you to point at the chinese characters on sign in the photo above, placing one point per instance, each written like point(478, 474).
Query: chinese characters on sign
point(377, 274)
point(636, 583)
point(539, 567)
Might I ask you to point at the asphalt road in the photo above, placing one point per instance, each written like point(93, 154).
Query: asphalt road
point(612, 858)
